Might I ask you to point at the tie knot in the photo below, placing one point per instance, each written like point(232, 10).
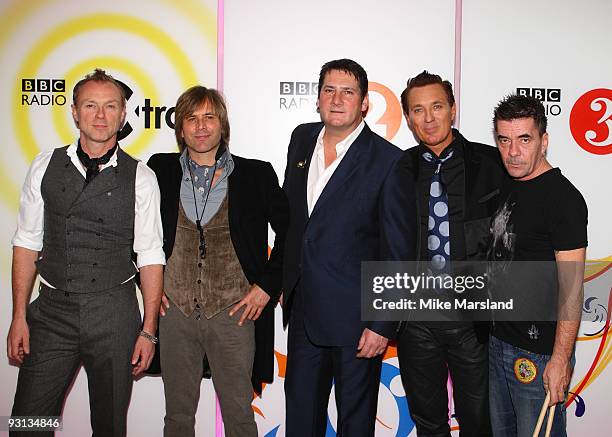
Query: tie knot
point(429, 157)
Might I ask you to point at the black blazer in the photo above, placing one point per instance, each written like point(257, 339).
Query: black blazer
point(484, 177)
point(363, 214)
point(254, 200)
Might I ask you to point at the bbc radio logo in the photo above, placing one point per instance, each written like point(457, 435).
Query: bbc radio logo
point(296, 95)
point(550, 98)
point(43, 92)
point(49, 92)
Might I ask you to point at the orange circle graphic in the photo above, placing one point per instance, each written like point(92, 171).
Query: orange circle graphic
point(392, 117)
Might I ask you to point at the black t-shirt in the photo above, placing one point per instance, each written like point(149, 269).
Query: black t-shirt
point(537, 217)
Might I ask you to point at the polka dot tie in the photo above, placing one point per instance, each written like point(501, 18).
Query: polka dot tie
point(438, 241)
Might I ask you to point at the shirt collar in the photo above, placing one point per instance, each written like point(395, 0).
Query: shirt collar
point(343, 145)
point(225, 159)
point(456, 146)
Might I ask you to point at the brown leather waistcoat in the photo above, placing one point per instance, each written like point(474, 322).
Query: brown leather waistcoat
point(211, 284)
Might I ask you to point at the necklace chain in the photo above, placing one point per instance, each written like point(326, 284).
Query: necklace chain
point(195, 201)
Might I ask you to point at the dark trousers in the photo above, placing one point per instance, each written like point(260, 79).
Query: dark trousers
point(426, 355)
point(66, 329)
point(312, 369)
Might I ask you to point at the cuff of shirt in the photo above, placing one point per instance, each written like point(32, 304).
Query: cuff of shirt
point(26, 243)
point(155, 256)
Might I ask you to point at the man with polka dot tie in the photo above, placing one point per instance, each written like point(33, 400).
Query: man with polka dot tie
point(457, 185)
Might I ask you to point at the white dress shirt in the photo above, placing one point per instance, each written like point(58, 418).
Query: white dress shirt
point(148, 234)
point(318, 175)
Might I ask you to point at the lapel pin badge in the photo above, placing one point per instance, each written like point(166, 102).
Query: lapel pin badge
point(301, 164)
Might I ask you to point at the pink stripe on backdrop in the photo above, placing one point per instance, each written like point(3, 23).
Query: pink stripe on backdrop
point(220, 53)
point(220, 43)
point(218, 419)
point(457, 80)
point(457, 92)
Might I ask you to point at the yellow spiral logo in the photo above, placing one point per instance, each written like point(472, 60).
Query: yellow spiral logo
point(159, 48)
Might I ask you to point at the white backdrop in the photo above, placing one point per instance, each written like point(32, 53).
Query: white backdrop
point(504, 46)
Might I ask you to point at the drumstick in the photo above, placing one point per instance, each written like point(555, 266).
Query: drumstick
point(551, 416)
point(536, 431)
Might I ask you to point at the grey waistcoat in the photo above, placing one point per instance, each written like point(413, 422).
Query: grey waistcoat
point(88, 232)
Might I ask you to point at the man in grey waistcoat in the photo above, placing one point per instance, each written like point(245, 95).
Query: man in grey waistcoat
point(84, 209)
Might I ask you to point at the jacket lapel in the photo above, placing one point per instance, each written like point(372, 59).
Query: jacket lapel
point(303, 162)
point(349, 165)
point(233, 195)
point(174, 184)
point(169, 182)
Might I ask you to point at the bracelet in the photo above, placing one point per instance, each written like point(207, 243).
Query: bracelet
point(153, 339)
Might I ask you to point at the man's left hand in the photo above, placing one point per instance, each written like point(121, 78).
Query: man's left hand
point(254, 302)
point(371, 344)
point(556, 376)
point(142, 356)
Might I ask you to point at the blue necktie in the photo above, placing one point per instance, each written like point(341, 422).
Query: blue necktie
point(438, 241)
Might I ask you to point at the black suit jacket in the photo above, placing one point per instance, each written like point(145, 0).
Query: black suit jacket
point(254, 200)
point(484, 177)
point(363, 214)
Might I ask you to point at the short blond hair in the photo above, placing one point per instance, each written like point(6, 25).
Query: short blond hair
point(98, 75)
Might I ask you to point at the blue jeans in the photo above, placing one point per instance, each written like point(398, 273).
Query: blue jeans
point(516, 391)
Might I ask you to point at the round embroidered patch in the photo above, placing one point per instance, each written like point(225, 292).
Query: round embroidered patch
point(525, 370)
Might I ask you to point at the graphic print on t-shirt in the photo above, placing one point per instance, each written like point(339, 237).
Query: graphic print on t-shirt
point(504, 239)
point(533, 332)
point(502, 249)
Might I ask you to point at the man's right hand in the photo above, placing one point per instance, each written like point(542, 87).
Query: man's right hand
point(18, 340)
point(164, 305)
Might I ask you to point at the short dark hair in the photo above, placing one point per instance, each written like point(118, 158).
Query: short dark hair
point(423, 79)
point(350, 67)
point(516, 106)
point(190, 101)
point(98, 75)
